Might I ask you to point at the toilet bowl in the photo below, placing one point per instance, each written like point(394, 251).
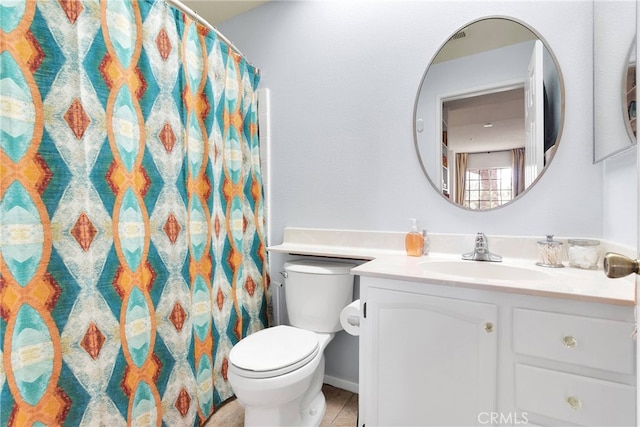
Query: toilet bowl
point(277, 373)
point(280, 395)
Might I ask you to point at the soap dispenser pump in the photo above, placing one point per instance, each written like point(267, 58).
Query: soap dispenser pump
point(414, 241)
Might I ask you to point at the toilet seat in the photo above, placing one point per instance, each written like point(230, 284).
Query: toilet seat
point(273, 352)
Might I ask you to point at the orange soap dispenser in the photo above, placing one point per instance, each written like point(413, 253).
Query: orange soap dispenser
point(414, 241)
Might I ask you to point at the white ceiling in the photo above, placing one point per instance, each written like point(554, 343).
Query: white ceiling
point(217, 11)
point(483, 35)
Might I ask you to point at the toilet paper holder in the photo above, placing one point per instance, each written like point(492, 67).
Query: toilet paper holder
point(350, 318)
point(353, 320)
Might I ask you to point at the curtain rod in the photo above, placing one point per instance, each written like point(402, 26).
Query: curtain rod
point(193, 14)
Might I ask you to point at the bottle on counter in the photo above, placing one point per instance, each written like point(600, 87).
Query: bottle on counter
point(414, 242)
point(425, 244)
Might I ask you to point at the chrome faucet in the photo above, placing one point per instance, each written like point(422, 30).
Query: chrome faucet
point(481, 251)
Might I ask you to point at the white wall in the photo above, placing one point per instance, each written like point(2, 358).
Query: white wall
point(620, 183)
point(343, 77)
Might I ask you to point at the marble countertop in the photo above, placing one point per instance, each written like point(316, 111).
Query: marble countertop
point(385, 257)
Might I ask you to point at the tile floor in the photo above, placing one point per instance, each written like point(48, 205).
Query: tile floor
point(342, 410)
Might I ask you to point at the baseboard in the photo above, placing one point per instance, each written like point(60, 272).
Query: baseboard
point(340, 383)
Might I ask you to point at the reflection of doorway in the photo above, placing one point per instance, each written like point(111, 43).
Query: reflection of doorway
point(534, 115)
point(486, 123)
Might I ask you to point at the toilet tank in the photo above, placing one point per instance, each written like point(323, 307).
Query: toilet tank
point(316, 292)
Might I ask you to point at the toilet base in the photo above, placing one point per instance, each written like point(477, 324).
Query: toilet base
point(287, 415)
point(306, 410)
point(313, 415)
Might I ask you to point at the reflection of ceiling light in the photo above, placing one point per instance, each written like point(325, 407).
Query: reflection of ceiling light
point(487, 125)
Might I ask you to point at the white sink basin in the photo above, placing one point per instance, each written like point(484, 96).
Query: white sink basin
point(483, 270)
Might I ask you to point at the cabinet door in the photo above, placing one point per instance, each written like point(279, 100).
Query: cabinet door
point(427, 360)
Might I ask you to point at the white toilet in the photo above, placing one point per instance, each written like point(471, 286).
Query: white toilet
point(277, 373)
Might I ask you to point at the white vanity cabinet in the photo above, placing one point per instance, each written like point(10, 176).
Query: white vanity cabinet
point(424, 356)
point(444, 355)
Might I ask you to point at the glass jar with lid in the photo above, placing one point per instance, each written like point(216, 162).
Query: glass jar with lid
point(550, 253)
point(584, 253)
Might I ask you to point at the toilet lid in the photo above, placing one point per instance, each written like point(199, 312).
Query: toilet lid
point(273, 351)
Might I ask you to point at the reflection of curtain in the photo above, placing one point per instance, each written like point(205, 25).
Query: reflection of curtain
point(131, 205)
point(517, 171)
point(461, 171)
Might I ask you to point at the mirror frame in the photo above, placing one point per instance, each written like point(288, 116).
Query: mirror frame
point(560, 124)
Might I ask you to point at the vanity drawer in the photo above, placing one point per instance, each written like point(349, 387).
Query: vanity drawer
point(586, 341)
point(573, 398)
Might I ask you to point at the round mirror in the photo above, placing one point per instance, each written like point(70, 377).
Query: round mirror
point(488, 114)
point(629, 94)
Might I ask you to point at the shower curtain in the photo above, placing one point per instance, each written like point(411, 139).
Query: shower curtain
point(132, 252)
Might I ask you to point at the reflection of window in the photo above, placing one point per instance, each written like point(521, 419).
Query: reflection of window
point(487, 188)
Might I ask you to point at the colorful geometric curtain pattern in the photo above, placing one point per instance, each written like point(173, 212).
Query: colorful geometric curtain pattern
point(132, 251)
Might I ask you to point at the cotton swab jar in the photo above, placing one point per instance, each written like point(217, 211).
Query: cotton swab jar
point(550, 253)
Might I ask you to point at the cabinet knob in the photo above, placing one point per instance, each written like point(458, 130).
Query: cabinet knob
point(570, 342)
point(488, 327)
point(574, 403)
